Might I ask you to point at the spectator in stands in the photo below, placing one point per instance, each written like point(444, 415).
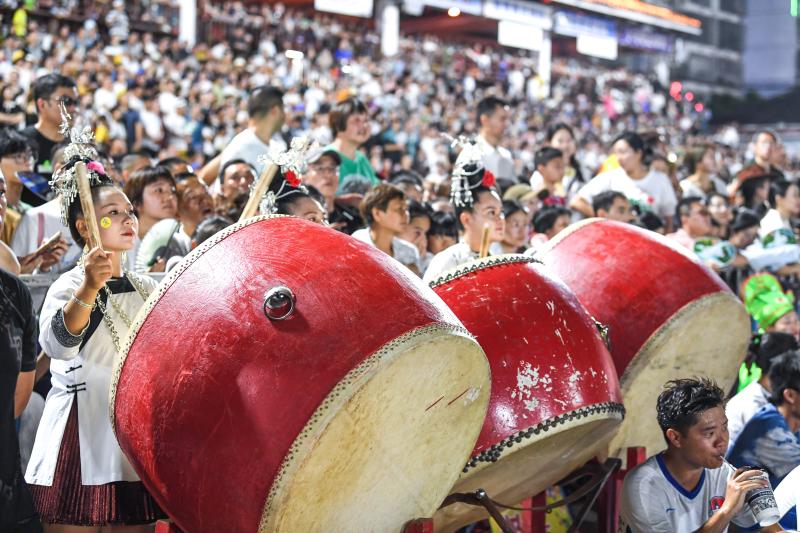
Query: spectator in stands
point(493, 119)
point(701, 165)
point(48, 93)
point(612, 205)
point(443, 233)
point(721, 214)
point(323, 174)
point(385, 211)
point(17, 154)
point(764, 145)
point(547, 223)
point(562, 137)
point(410, 183)
point(350, 127)
point(741, 408)
point(151, 191)
point(695, 222)
point(131, 163)
point(547, 180)
point(517, 227)
point(235, 178)
point(8, 259)
point(266, 117)
point(768, 440)
point(194, 205)
point(647, 190)
point(419, 224)
point(208, 228)
point(776, 226)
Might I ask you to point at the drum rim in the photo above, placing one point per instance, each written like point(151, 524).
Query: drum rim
point(480, 264)
point(335, 400)
point(155, 297)
point(537, 432)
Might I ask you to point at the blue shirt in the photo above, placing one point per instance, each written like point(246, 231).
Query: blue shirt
point(767, 442)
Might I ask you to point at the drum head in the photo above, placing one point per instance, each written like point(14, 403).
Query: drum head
point(706, 337)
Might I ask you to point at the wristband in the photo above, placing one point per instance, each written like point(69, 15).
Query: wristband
point(81, 302)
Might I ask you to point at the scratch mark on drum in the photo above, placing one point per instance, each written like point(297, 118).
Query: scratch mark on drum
point(551, 307)
point(575, 376)
point(457, 397)
point(558, 334)
point(530, 405)
point(434, 403)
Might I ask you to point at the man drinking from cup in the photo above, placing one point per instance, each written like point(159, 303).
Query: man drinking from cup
point(688, 487)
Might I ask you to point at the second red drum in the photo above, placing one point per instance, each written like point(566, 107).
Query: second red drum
point(555, 400)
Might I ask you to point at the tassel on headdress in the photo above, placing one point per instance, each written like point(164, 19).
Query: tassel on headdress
point(291, 165)
point(80, 148)
point(469, 172)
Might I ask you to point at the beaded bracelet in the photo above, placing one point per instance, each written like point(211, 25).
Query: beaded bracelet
point(81, 302)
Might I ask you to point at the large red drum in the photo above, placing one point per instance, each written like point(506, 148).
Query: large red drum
point(356, 412)
point(555, 400)
point(668, 315)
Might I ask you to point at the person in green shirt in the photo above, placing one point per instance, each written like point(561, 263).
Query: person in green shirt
point(350, 127)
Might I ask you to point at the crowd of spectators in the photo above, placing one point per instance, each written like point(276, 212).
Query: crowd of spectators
point(182, 130)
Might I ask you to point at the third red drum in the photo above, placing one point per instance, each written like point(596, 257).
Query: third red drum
point(287, 377)
point(668, 315)
point(555, 398)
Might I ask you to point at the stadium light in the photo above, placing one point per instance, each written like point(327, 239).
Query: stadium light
point(454, 12)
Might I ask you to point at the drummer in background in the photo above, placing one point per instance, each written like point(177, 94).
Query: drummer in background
point(688, 487)
point(385, 211)
point(612, 205)
point(477, 205)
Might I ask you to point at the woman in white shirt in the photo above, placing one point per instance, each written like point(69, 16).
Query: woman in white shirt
point(701, 163)
point(647, 190)
point(77, 472)
point(784, 198)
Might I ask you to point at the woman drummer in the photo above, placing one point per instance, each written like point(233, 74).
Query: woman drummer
point(79, 478)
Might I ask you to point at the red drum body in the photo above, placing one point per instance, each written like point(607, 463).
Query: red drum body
point(668, 315)
point(555, 398)
point(328, 420)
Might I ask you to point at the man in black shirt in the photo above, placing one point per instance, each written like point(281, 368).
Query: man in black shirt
point(18, 332)
point(49, 92)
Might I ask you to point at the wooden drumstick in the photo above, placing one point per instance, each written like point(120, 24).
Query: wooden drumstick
point(87, 205)
point(261, 186)
point(487, 230)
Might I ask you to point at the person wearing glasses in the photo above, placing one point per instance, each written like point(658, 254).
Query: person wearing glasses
point(48, 93)
point(695, 222)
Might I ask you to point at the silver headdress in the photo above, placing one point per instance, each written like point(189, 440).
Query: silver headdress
point(81, 147)
point(469, 164)
point(292, 165)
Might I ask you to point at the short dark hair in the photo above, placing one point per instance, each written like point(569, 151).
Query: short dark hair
point(487, 107)
point(75, 210)
point(443, 223)
point(784, 373)
point(379, 198)
point(12, 142)
point(338, 116)
point(779, 188)
point(605, 200)
point(232, 162)
point(771, 346)
point(511, 207)
point(406, 177)
point(546, 154)
point(649, 221)
point(262, 100)
point(682, 400)
point(208, 227)
point(684, 208)
point(46, 85)
point(545, 218)
point(417, 209)
point(134, 188)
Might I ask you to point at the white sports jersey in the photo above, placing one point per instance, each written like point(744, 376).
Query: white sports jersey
point(654, 502)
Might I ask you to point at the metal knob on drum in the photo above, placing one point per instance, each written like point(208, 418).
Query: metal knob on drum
point(286, 377)
point(668, 315)
point(555, 400)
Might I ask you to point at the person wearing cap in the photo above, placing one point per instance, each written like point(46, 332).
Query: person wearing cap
point(322, 172)
point(525, 195)
point(748, 401)
point(48, 93)
point(769, 440)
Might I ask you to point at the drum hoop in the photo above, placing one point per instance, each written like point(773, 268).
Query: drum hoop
point(155, 297)
point(337, 398)
point(480, 264)
point(604, 410)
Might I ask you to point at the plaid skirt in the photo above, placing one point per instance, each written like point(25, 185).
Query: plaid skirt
point(67, 501)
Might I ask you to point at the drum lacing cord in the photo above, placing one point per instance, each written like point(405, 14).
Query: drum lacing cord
point(597, 476)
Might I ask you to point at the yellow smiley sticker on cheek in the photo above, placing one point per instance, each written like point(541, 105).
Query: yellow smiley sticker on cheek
point(105, 222)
